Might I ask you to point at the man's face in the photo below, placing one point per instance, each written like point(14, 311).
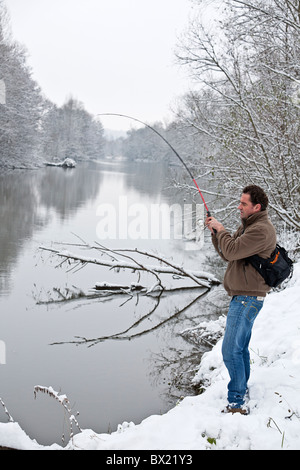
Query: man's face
point(246, 207)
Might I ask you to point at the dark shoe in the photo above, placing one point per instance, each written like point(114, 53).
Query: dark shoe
point(243, 411)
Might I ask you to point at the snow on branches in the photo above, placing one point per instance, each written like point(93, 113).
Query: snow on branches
point(133, 260)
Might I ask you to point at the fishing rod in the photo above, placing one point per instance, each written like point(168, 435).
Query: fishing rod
point(171, 147)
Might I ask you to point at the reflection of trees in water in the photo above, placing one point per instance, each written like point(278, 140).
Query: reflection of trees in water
point(146, 178)
point(19, 217)
point(161, 311)
point(166, 315)
point(66, 189)
point(174, 367)
point(24, 193)
point(140, 327)
point(27, 198)
point(22, 196)
point(143, 177)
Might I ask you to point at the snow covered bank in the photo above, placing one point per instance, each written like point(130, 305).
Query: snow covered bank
point(197, 422)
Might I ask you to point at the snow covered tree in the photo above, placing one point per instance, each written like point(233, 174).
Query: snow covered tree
point(70, 131)
point(247, 104)
point(20, 115)
point(32, 128)
point(144, 144)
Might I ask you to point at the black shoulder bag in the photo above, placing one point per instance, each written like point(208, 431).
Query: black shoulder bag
point(275, 269)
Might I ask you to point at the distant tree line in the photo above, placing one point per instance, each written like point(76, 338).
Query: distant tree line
point(32, 128)
point(142, 144)
point(70, 131)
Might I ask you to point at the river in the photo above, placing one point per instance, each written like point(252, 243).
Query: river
point(107, 382)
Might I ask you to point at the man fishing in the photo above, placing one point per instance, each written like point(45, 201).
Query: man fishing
point(256, 236)
point(244, 284)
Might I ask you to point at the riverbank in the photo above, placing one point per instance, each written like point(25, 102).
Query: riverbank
point(197, 422)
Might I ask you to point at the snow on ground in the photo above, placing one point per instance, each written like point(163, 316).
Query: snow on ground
point(197, 423)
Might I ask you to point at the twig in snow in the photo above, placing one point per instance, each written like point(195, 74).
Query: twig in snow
point(64, 401)
point(10, 419)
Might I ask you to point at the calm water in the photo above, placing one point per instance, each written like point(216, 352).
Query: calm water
point(112, 381)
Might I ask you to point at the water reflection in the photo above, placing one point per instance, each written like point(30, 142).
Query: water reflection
point(115, 380)
point(67, 190)
point(19, 218)
point(28, 200)
point(141, 327)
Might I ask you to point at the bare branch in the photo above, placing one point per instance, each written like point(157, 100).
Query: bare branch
point(203, 279)
point(123, 336)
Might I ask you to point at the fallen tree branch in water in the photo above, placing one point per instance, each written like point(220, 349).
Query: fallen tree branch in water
point(137, 261)
point(201, 278)
point(68, 294)
point(123, 335)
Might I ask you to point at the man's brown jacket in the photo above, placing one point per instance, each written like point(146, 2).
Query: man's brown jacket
point(256, 236)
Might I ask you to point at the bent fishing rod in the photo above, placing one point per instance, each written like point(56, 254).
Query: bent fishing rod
point(171, 147)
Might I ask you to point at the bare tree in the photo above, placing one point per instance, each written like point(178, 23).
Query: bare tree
point(247, 103)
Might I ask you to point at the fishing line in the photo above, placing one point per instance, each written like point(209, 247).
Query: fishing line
point(171, 147)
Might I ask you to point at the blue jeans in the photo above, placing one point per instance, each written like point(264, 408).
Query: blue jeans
point(242, 312)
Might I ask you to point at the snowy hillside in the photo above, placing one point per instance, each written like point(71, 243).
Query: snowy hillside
point(197, 422)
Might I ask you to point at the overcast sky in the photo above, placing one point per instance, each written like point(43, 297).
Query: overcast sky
point(115, 56)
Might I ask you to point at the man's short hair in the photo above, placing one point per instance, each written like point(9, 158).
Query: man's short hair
point(257, 196)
